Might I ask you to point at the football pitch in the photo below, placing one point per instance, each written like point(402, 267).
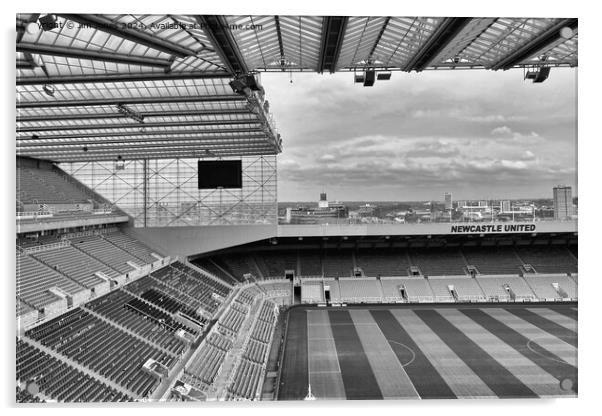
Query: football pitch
point(430, 352)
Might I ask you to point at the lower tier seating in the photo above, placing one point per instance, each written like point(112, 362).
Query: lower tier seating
point(60, 381)
point(103, 348)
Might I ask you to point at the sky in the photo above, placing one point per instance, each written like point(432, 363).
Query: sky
point(478, 134)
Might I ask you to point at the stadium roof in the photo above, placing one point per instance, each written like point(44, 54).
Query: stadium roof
point(95, 87)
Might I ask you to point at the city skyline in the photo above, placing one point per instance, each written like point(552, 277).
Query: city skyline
point(486, 135)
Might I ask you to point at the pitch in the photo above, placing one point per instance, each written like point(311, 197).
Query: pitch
point(430, 352)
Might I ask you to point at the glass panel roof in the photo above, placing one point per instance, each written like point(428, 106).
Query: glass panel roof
point(141, 82)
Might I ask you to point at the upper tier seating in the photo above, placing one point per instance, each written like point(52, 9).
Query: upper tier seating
point(38, 186)
point(493, 260)
point(273, 264)
point(548, 259)
point(34, 279)
point(132, 246)
point(208, 265)
point(338, 263)
point(383, 262)
point(106, 252)
point(310, 263)
point(76, 264)
point(237, 265)
point(439, 261)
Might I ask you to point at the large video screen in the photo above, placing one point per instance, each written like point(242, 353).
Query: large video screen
point(220, 174)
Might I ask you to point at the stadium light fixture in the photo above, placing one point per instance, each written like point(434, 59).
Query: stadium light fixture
point(129, 113)
point(120, 163)
point(384, 76)
point(49, 90)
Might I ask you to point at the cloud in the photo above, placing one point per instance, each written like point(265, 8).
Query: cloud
point(502, 131)
point(481, 132)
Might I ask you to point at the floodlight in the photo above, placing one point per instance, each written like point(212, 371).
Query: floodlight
point(383, 76)
point(49, 89)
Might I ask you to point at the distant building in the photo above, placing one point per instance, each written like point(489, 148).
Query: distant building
point(447, 197)
point(505, 206)
point(368, 210)
point(563, 202)
point(323, 202)
point(325, 213)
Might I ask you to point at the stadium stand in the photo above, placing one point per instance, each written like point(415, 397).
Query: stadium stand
point(26, 314)
point(310, 263)
point(391, 289)
point(493, 260)
point(35, 281)
point(101, 249)
point(157, 326)
point(382, 262)
point(191, 282)
point(205, 366)
point(456, 289)
point(548, 259)
point(133, 247)
point(209, 266)
point(440, 262)
point(337, 263)
point(360, 290)
point(312, 291)
point(417, 289)
point(77, 265)
point(46, 186)
point(552, 287)
point(88, 341)
point(494, 287)
point(273, 264)
point(237, 265)
point(59, 380)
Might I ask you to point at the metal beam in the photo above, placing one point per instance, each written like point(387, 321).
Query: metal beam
point(121, 30)
point(216, 28)
point(441, 37)
point(279, 34)
point(538, 43)
point(333, 31)
point(380, 35)
point(143, 76)
point(129, 149)
point(130, 100)
point(25, 64)
point(101, 116)
point(155, 154)
point(120, 144)
point(138, 133)
point(113, 126)
point(87, 54)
